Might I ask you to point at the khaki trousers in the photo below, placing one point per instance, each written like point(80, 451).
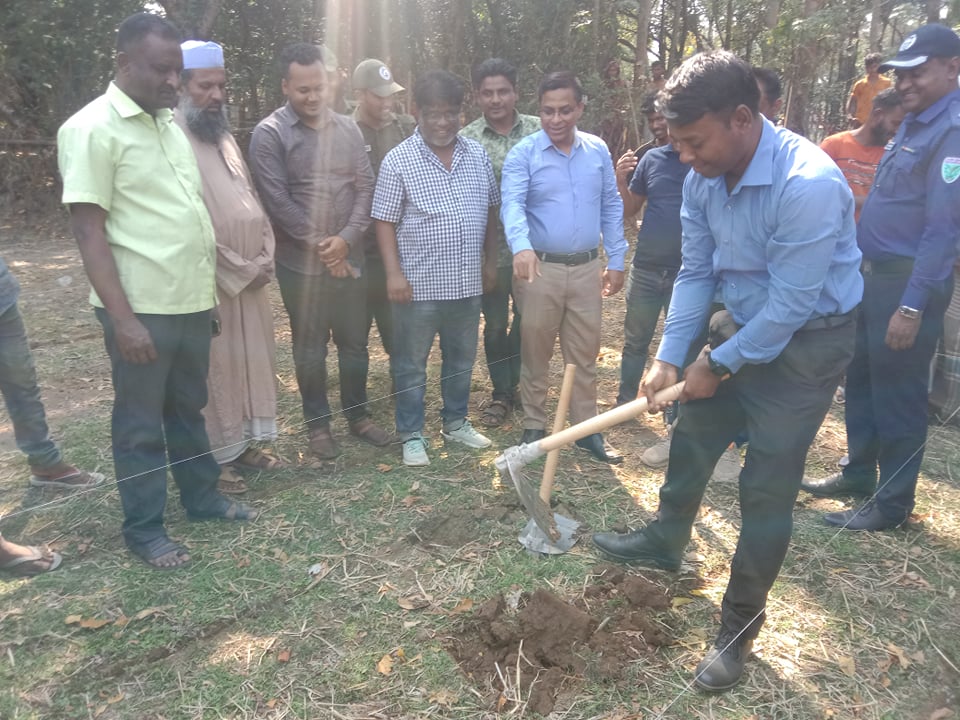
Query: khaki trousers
point(564, 301)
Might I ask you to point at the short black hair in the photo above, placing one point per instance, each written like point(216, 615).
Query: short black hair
point(492, 67)
point(655, 63)
point(136, 27)
point(301, 54)
point(436, 87)
point(649, 104)
point(873, 58)
point(770, 80)
point(709, 82)
point(561, 80)
point(887, 99)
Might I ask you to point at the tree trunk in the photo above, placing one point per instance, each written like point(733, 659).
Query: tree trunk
point(933, 11)
point(640, 66)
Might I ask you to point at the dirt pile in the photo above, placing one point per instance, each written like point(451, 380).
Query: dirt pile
point(525, 648)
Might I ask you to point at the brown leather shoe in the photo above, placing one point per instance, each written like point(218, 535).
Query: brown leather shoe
point(323, 444)
point(367, 430)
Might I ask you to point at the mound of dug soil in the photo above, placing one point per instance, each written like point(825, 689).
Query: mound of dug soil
point(549, 642)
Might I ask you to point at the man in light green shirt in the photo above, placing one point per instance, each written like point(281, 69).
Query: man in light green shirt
point(498, 129)
point(133, 189)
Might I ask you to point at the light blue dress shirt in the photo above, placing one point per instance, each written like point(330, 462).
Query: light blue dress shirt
point(559, 203)
point(781, 249)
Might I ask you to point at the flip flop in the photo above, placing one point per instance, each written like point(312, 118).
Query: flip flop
point(39, 561)
point(72, 480)
point(157, 547)
point(257, 459)
point(224, 509)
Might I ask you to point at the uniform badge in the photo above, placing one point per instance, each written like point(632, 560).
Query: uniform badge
point(950, 169)
point(908, 42)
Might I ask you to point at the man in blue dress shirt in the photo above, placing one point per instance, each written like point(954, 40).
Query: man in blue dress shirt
point(908, 233)
point(559, 198)
point(790, 279)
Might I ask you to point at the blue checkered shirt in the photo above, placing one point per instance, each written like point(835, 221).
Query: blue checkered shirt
point(441, 215)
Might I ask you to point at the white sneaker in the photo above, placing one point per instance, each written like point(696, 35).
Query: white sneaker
point(727, 469)
point(415, 451)
point(467, 435)
point(658, 454)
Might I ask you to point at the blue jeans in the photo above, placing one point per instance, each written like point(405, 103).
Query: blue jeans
point(501, 337)
point(416, 324)
point(648, 292)
point(157, 419)
point(18, 382)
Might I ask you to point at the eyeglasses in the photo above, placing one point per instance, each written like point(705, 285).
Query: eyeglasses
point(434, 116)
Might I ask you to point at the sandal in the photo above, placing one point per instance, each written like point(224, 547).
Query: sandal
point(224, 509)
point(40, 560)
point(64, 477)
point(229, 483)
point(152, 550)
point(257, 459)
point(495, 413)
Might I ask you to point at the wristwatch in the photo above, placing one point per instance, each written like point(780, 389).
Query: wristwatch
point(718, 369)
point(909, 312)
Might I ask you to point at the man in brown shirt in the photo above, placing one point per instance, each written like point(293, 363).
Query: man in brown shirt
point(315, 181)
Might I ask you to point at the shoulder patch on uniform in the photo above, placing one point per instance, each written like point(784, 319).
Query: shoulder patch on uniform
point(950, 169)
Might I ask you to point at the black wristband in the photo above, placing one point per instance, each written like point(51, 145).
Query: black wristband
point(718, 369)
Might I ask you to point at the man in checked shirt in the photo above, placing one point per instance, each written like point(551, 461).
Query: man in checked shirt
point(435, 205)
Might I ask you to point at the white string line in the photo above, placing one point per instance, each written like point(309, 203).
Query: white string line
point(818, 553)
point(80, 492)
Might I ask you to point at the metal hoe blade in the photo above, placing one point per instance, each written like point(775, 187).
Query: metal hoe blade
point(547, 531)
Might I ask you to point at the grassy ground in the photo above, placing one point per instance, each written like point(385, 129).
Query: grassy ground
point(859, 625)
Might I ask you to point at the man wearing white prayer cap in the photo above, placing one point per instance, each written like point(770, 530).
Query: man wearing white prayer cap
point(242, 404)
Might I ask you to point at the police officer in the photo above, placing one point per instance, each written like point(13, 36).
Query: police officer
point(908, 235)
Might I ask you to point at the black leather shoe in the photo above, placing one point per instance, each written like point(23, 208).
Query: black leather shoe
point(600, 449)
point(531, 435)
point(722, 667)
point(837, 484)
point(866, 517)
point(635, 547)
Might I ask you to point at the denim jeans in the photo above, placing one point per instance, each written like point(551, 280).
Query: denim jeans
point(157, 419)
point(416, 324)
point(321, 306)
point(501, 338)
point(18, 382)
point(648, 293)
point(886, 409)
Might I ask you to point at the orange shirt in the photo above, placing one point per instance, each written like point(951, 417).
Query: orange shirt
point(865, 91)
point(857, 162)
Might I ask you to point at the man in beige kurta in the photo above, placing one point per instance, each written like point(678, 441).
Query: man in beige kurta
point(242, 386)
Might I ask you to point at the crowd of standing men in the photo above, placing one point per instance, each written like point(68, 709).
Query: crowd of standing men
point(424, 228)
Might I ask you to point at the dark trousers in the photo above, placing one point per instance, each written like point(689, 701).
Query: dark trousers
point(886, 408)
point(18, 382)
point(780, 404)
point(157, 419)
point(501, 337)
point(379, 307)
point(321, 307)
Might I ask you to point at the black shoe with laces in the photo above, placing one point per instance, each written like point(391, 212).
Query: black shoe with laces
point(722, 667)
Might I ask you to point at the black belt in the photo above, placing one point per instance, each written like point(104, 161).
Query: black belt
point(893, 266)
point(568, 258)
point(825, 322)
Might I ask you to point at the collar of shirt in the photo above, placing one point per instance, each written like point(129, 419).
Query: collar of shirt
point(759, 171)
point(355, 116)
point(430, 156)
point(126, 107)
point(926, 116)
point(488, 128)
point(544, 142)
point(291, 118)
